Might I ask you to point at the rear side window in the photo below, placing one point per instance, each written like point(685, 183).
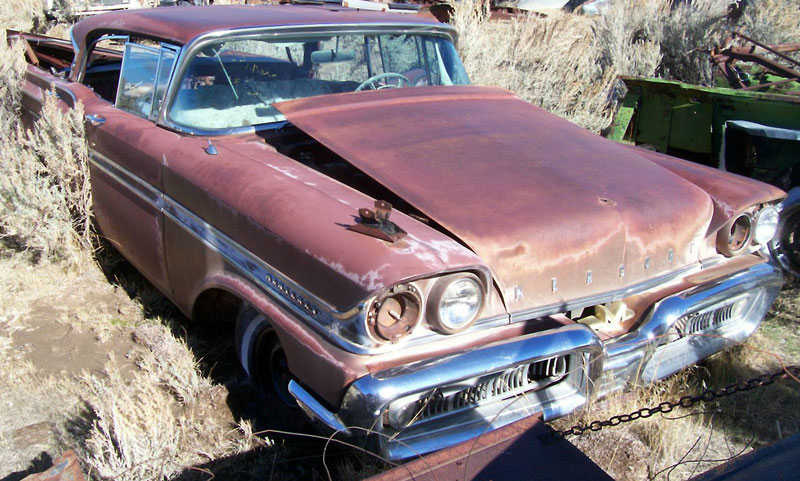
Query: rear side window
point(143, 81)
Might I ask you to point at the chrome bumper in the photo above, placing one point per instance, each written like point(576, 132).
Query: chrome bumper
point(731, 310)
point(395, 405)
point(375, 402)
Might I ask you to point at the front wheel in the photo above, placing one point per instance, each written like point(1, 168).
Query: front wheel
point(264, 362)
point(785, 247)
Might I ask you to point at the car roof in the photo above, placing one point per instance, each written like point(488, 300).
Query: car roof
point(182, 24)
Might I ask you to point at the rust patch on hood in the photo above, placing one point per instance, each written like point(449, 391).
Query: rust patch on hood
point(557, 212)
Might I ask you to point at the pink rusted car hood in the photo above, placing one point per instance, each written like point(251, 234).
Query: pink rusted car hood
point(556, 212)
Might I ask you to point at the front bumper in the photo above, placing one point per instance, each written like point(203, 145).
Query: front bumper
point(414, 409)
point(687, 327)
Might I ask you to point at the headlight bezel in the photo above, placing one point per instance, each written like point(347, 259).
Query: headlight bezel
point(436, 296)
point(736, 235)
point(406, 298)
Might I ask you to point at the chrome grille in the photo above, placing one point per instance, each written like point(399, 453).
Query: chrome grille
point(700, 321)
point(512, 382)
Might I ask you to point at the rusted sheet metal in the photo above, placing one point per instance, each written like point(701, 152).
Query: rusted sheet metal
point(163, 23)
point(726, 56)
point(539, 199)
point(730, 197)
point(65, 468)
point(776, 462)
point(522, 450)
point(249, 186)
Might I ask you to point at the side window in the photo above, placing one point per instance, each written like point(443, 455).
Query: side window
point(103, 66)
point(143, 80)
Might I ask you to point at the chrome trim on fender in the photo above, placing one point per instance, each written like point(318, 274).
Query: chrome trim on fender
point(143, 190)
point(293, 296)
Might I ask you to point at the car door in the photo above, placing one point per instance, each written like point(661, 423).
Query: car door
point(126, 152)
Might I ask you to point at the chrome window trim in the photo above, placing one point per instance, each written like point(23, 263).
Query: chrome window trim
point(251, 33)
point(40, 75)
point(176, 49)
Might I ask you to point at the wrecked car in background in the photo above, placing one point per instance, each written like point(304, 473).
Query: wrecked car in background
point(403, 253)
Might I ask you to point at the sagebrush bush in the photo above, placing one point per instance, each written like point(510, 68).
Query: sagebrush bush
point(772, 21)
point(22, 15)
point(565, 63)
point(45, 197)
point(142, 431)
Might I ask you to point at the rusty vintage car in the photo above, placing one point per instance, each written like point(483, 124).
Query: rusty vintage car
point(404, 254)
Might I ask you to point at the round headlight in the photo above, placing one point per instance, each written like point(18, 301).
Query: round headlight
point(766, 225)
point(735, 236)
point(455, 303)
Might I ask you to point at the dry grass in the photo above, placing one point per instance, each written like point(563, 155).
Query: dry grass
point(21, 15)
point(773, 21)
point(120, 388)
point(140, 430)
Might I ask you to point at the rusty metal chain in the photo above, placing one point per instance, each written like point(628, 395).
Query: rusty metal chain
point(684, 402)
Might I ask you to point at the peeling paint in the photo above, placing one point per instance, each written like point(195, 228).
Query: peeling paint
point(371, 281)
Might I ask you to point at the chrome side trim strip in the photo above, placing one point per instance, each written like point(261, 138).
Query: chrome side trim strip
point(292, 296)
point(143, 190)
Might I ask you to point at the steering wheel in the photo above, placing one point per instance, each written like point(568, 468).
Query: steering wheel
point(372, 82)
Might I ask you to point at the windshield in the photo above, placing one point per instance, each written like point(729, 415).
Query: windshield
point(235, 83)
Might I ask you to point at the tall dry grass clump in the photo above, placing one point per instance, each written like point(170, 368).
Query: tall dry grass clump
point(772, 21)
point(564, 63)
point(45, 197)
point(22, 15)
point(154, 423)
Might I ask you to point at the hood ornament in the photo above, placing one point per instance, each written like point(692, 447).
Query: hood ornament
point(376, 223)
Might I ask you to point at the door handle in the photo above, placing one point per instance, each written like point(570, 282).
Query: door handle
point(95, 120)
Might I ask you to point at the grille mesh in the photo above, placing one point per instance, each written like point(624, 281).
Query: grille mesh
point(521, 379)
point(701, 321)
